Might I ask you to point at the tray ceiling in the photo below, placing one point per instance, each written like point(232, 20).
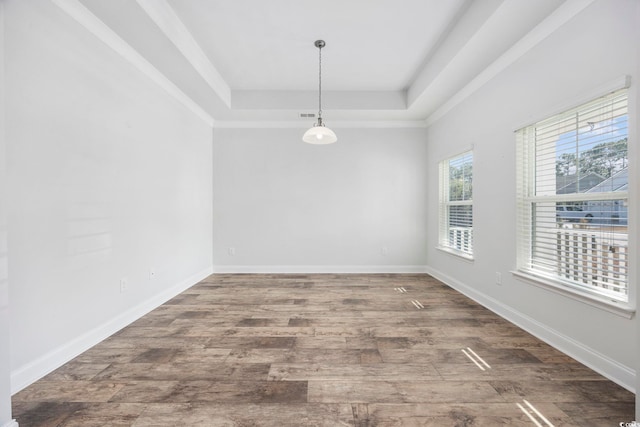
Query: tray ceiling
point(247, 62)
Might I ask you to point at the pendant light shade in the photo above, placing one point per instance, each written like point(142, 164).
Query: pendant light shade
point(319, 133)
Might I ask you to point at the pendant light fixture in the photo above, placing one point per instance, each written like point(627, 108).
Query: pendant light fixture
point(319, 133)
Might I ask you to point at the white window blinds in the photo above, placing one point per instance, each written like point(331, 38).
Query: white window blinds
point(456, 203)
point(572, 198)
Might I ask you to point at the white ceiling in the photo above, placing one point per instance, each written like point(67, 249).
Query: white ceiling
point(253, 61)
point(268, 45)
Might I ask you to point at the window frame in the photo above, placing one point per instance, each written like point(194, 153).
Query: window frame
point(526, 201)
point(444, 205)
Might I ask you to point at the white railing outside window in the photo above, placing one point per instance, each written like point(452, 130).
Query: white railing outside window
point(461, 238)
point(593, 260)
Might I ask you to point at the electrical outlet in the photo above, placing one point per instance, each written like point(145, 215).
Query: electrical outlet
point(152, 273)
point(232, 251)
point(124, 285)
point(384, 250)
point(498, 278)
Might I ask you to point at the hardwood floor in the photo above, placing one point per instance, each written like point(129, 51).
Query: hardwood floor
point(322, 350)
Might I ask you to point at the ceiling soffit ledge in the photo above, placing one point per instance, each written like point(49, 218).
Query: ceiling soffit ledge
point(76, 10)
point(549, 25)
point(332, 100)
point(172, 27)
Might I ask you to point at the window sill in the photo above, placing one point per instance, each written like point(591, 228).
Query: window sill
point(459, 254)
point(619, 308)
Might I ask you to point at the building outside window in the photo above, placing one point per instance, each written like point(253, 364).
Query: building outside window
point(572, 184)
point(456, 204)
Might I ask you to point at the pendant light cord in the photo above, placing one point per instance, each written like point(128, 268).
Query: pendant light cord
point(320, 85)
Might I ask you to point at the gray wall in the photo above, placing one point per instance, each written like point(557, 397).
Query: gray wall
point(283, 205)
point(5, 367)
point(589, 51)
point(109, 178)
point(635, 193)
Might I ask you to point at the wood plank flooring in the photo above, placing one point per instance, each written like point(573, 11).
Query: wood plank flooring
point(322, 350)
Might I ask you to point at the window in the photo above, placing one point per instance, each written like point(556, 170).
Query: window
point(572, 199)
point(456, 204)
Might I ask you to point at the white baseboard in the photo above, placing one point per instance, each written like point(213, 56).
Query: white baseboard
point(605, 366)
point(310, 269)
point(11, 423)
point(33, 371)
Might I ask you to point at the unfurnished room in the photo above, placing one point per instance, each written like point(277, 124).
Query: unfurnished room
point(332, 213)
